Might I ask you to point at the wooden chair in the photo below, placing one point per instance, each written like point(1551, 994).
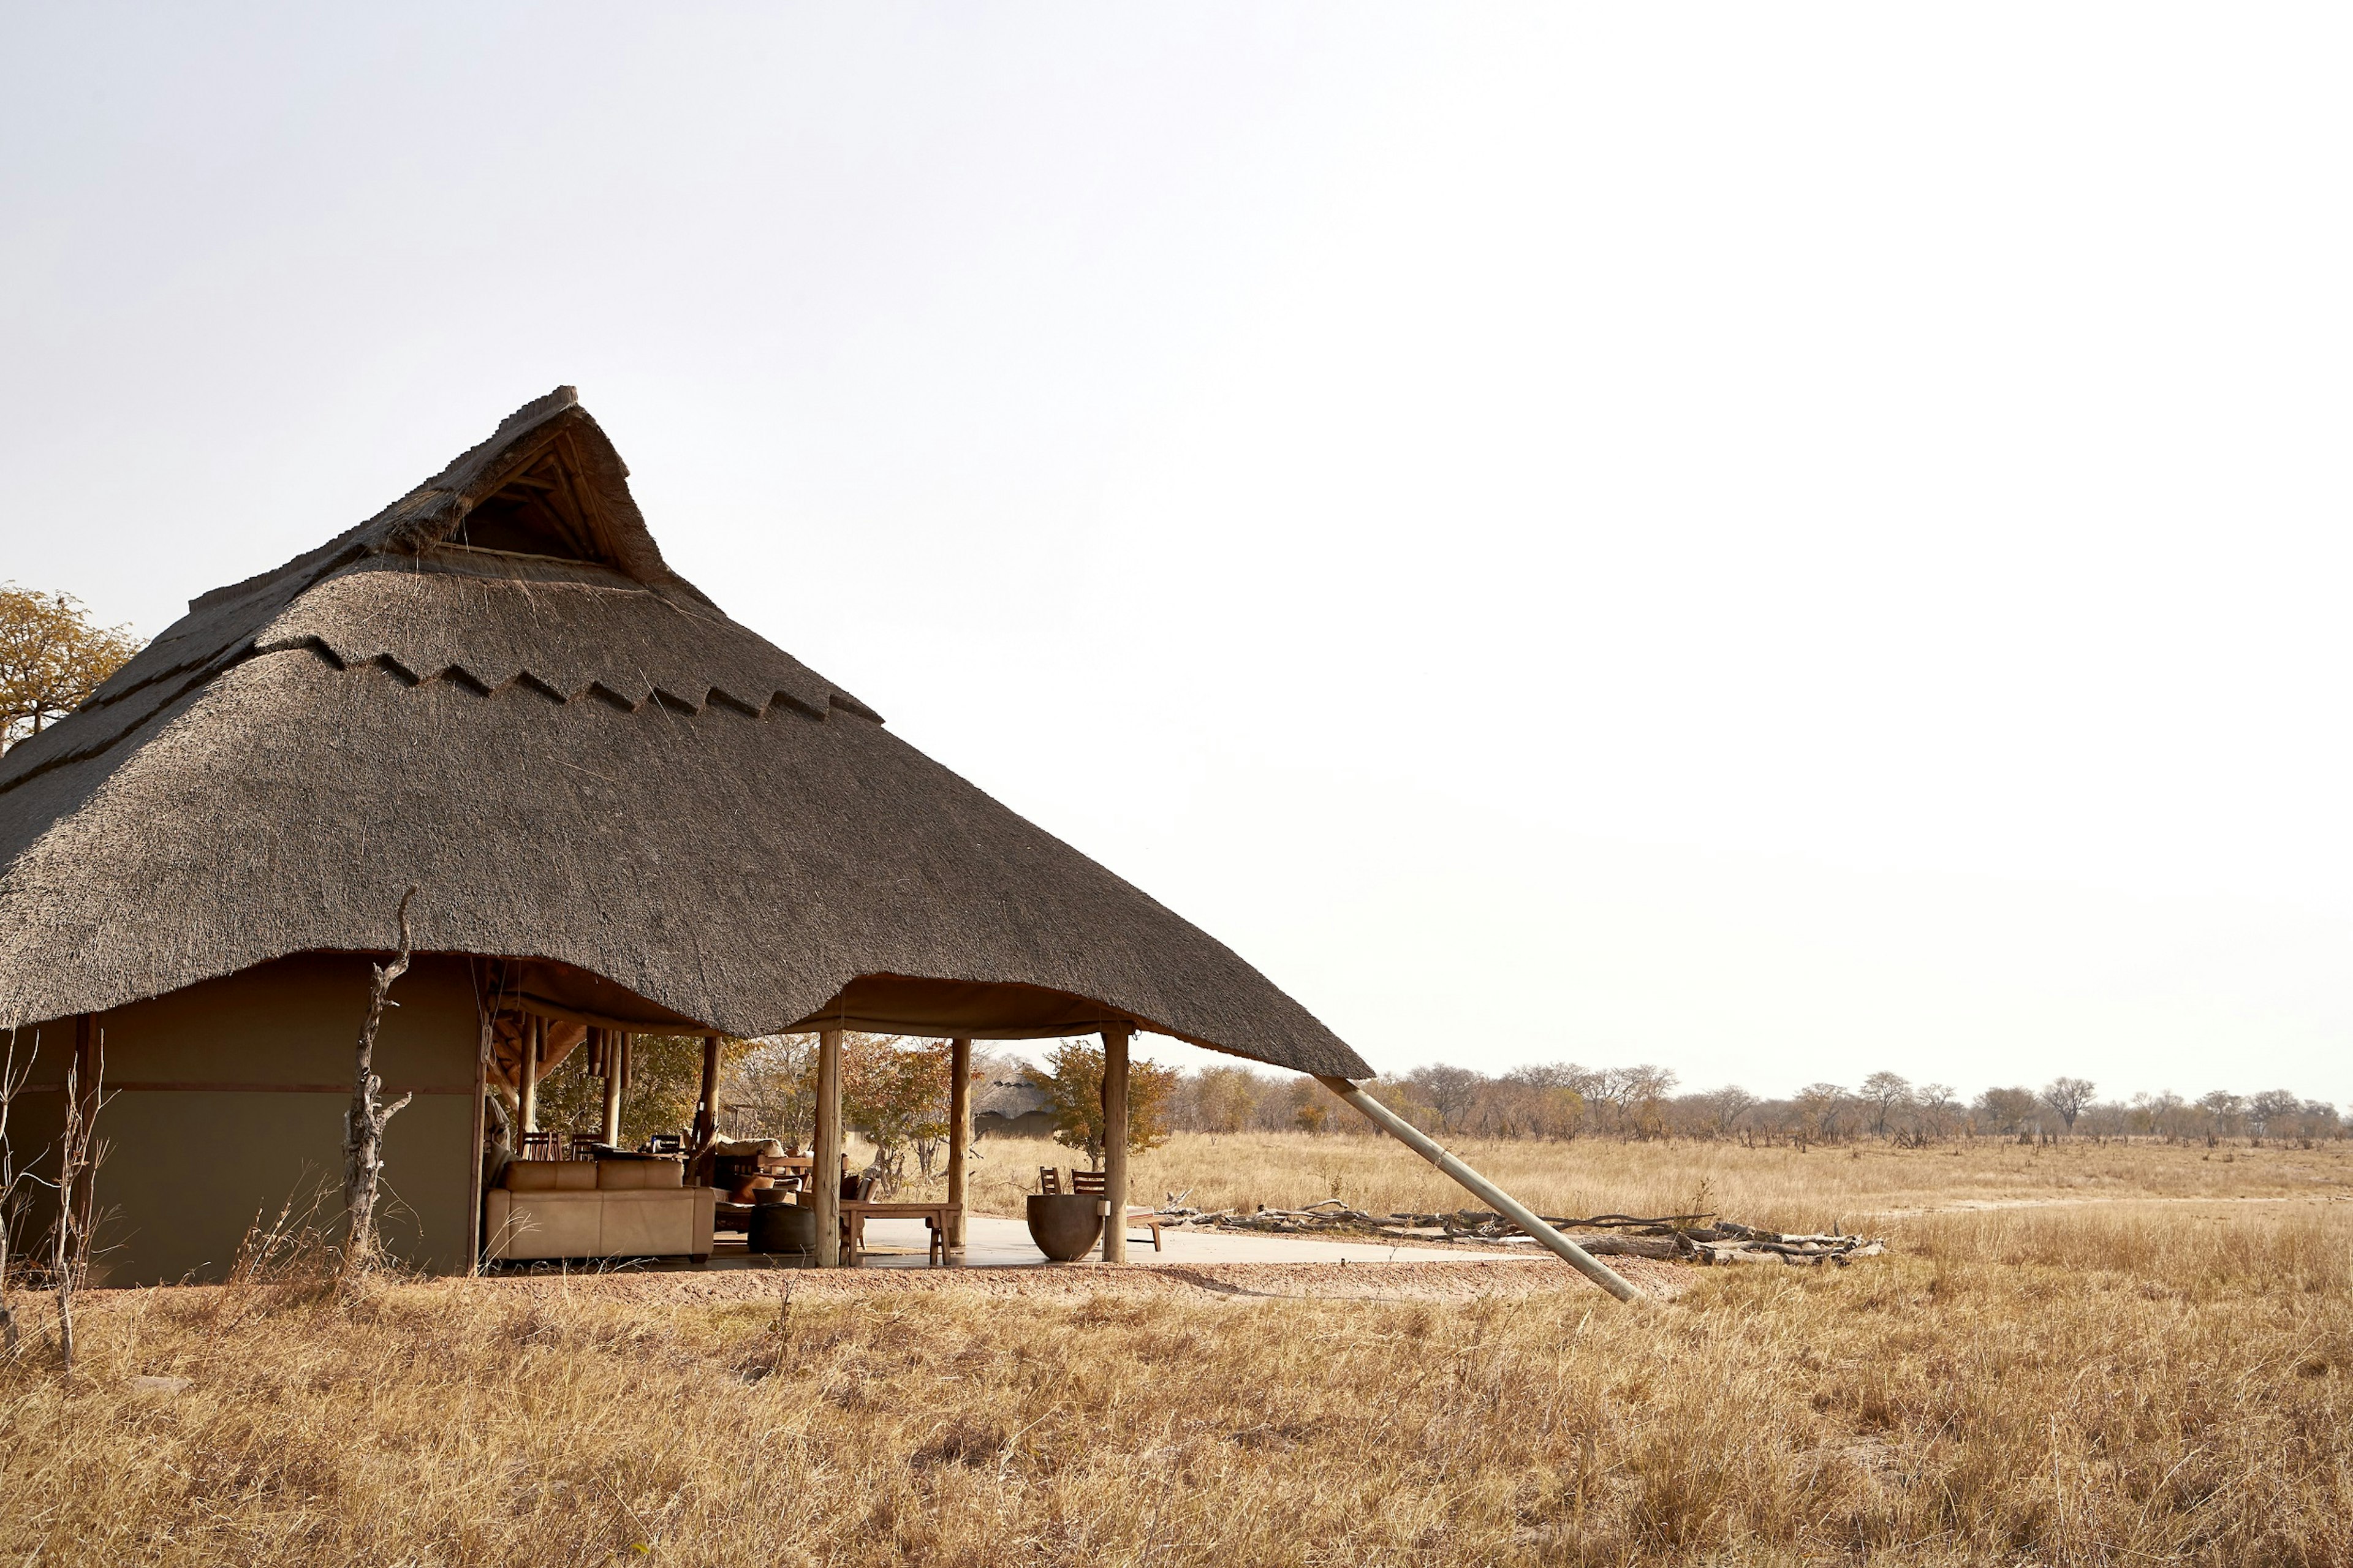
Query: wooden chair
point(1093, 1183)
point(1049, 1181)
point(584, 1145)
point(541, 1146)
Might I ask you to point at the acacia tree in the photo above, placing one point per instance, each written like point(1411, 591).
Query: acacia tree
point(1448, 1091)
point(1726, 1107)
point(1821, 1105)
point(2008, 1111)
point(2268, 1111)
point(1883, 1092)
point(52, 657)
point(2224, 1111)
point(2068, 1096)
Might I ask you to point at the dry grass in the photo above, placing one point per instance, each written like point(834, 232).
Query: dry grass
point(2130, 1382)
point(1779, 1187)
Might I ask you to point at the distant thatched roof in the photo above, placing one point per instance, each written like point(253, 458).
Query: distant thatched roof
point(496, 690)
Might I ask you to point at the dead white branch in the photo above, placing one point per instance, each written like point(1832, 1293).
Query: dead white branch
point(363, 1123)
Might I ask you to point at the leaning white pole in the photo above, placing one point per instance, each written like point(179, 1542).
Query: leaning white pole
point(1412, 1137)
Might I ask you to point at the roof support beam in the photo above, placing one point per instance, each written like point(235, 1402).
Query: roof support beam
point(1502, 1201)
point(824, 1190)
point(535, 1036)
point(617, 1046)
point(1114, 1095)
point(706, 1105)
point(959, 1135)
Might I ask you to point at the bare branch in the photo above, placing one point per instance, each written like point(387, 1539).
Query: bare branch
point(363, 1123)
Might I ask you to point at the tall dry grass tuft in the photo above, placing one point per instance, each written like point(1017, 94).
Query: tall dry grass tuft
point(2080, 1386)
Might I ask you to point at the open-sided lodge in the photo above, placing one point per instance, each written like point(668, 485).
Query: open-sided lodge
point(622, 813)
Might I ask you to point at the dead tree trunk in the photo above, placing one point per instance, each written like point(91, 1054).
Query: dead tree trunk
point(363, 1123)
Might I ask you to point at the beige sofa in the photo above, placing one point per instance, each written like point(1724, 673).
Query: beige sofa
point(597, 1208)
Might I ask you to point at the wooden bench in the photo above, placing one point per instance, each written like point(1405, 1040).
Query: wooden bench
point(856, 1212)
point(1091, 1184)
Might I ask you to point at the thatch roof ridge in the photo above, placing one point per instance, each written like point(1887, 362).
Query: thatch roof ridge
point(583, 761)
point(232, 623)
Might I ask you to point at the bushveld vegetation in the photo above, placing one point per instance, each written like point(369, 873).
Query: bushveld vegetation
point(1563, 1100)
point(2129, 1353)
point(895, 1093)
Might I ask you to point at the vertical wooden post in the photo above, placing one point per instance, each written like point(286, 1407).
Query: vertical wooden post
point(482, 1114)
point(89, 1073)
point(706, 1110)
point(824, 1168)
point(535, 1036)
point(959, 1135)
point(616, 1045)
point(1114, 1231)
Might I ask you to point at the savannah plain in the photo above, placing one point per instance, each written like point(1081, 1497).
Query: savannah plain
point(2072, 1353)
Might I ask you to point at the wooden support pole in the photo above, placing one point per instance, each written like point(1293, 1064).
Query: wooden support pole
point(616, 1045)
point(89, 1073)
point(481, 1116)
point(534, 1037)
point(959, 1135)
point(706, 1109)
point(824, 1168)
point(1114, 1231)
point(1496, 1198)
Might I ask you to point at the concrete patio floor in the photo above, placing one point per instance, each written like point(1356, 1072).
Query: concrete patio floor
point(993, 1243)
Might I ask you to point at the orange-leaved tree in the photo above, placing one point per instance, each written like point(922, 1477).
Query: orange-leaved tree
point(1071, 1081)
point(51, 659)
point(895, 1091)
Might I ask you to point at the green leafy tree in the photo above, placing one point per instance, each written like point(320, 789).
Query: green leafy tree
point(1071, 1081)
point(665, 1079)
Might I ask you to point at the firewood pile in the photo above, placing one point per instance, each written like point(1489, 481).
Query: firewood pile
point(1691, 1237)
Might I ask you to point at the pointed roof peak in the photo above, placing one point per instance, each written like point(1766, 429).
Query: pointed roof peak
point(548, 482)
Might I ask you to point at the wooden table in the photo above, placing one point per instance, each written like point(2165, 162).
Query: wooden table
point(856, 1212)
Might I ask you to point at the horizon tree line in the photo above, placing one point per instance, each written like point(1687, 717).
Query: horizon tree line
point(1562, 1100)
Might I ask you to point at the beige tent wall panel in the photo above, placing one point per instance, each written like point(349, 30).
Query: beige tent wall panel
point(295, 1022)
point(34, 1123)
point(188, 1168)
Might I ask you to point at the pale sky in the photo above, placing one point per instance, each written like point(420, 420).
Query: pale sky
point(1779, 542)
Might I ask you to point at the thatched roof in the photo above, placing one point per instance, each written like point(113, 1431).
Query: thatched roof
point(496, 691)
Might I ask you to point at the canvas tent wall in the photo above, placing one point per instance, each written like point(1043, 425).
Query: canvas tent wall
point(224, 1104)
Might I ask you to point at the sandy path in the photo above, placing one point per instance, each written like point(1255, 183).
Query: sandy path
point(1235, 1283)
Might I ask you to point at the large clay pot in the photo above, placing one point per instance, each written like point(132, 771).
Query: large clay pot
point(784, 1228)
point(1064, 1225)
